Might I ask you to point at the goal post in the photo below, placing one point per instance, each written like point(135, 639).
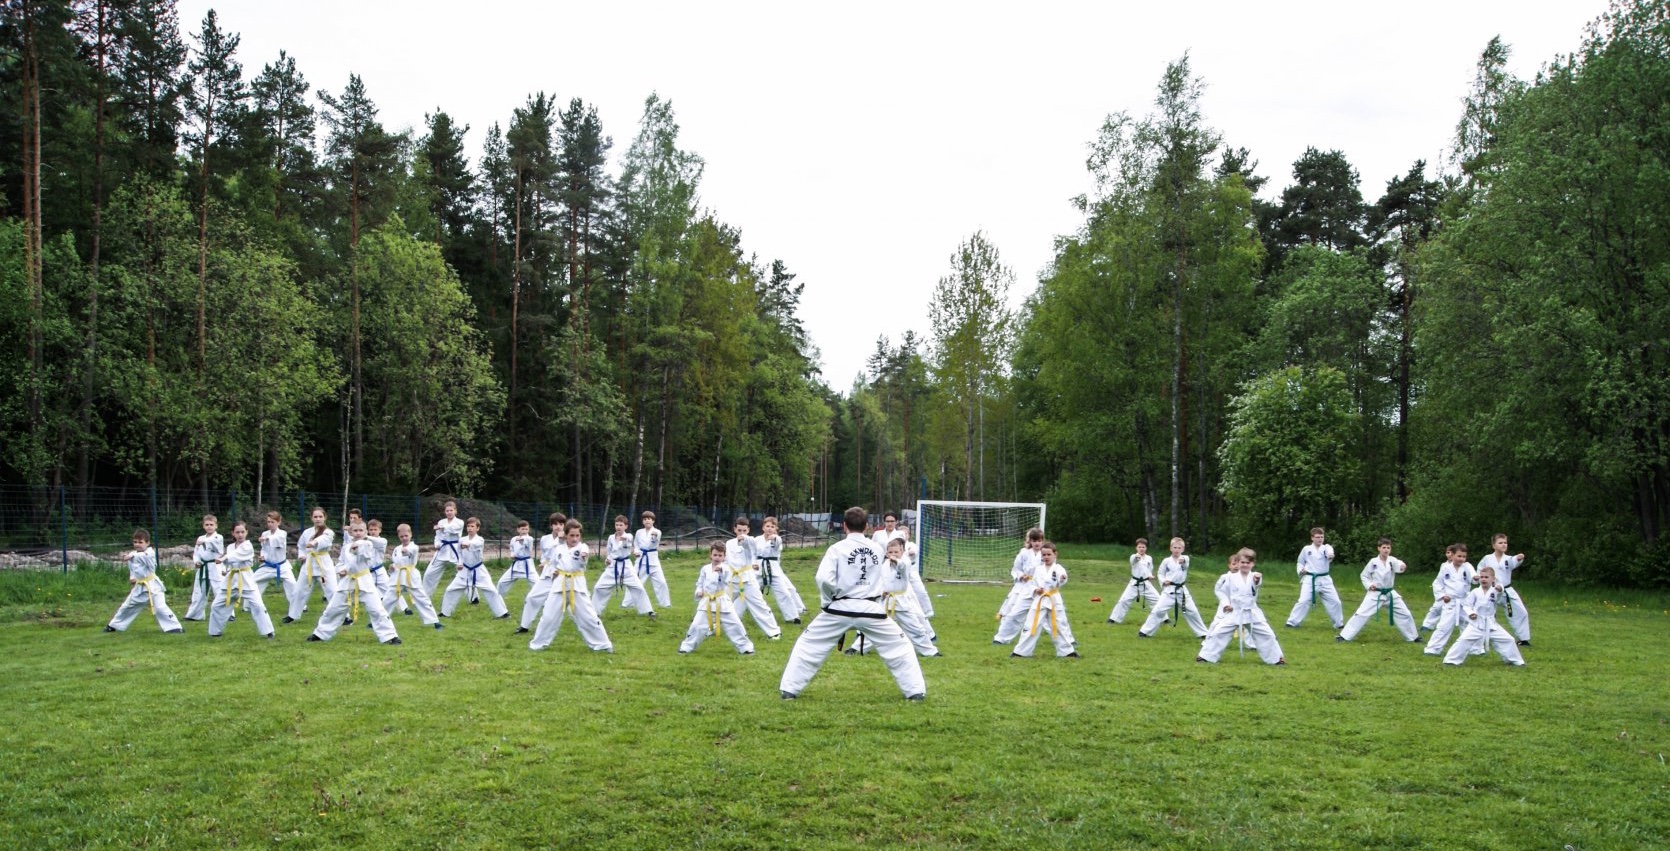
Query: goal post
point(972, 541)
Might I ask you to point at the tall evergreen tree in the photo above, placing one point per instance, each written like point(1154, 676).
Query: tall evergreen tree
point(451, 182)
point(1402, 220)
point(214, 97)
point(1323, 206)
point(365, 159)
point(150, 85)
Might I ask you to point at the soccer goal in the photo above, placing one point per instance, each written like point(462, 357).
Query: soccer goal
point(972, 541)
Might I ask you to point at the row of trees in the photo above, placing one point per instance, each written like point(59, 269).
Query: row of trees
point(222, 279)
point(1481, 348)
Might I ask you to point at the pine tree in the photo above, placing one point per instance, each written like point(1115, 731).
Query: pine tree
point(214, 98)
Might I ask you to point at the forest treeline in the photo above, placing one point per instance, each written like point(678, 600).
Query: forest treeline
point(220, 277)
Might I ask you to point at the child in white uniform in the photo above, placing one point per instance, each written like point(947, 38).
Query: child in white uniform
point(618, 569)
point(1519, 620)
point(901, 601)
point(1048, 609)
point(1141, 586)
point(648, 542)
point(379, 564)
point(714, 609)
point(236, 567)
point(521, 560)
point(313, 550)
point(913, 556)
point(1012, 613)
point(147, 592)
point(1481, 629)
point(1379, 577)
point(1237, 593)
point(406, 579)
point(207, 581)
point(1175, 603)
point(448, 530)
point(355, 588)
point(744, 579)
point(1315, 562)
point(275, 560)
point(569, 597)
point(552, 548)
point(1455, 578)
point(472, 576)
point(768, 548)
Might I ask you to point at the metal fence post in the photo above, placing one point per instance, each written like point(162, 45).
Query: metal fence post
point(154, 525)
point(234, 517)
point(301, 508)
point(64, 524)
point(417, 514)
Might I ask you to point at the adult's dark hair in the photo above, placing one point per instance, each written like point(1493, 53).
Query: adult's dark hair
point(855, 519)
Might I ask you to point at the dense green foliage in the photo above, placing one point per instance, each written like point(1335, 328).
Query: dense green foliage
point(244, 281)
point(1480, 352)
point(249, 282)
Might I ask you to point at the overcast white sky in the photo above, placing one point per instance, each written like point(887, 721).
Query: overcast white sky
point(860, 143)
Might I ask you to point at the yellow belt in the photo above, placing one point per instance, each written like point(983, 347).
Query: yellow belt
point(568, 587)
point(1037, 609)
point(736, 573)
point(403, 572)
point(150, 593)
point(354, 604)
point(893, 601)
point(713, 611)
point(313, 561)
point(233, 585)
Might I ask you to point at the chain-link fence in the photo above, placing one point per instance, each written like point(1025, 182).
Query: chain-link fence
point(43, 526)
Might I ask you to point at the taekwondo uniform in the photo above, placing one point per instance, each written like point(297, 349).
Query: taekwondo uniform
point(851, 588)
point(1240, 593)
point(1313, 566)
point(147, 593)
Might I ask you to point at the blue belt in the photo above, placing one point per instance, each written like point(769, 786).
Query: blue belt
point(472, 568)
point(275, 565)
point(643, 559)
point(620, 569)
point(766, 564)
point(527, 572)
point(454, 544)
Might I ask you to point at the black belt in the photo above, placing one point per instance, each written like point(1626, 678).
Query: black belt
point(878, 616)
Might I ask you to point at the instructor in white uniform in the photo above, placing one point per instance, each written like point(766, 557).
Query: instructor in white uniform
point(852, 588)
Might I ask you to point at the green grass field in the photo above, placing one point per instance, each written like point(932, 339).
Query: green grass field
point(465, 739)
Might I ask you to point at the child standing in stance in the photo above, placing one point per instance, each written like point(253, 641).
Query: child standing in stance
point(714, 609)
point(147, 592)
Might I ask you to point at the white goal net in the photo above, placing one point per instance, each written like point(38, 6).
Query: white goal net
point(973, 540)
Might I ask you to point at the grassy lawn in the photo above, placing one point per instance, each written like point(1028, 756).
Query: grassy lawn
point(465, 739)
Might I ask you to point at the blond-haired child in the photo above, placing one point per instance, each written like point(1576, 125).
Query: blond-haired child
point(1481, 628)
point(1048, 609)
point(1176, 603)
point(1237, 593)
